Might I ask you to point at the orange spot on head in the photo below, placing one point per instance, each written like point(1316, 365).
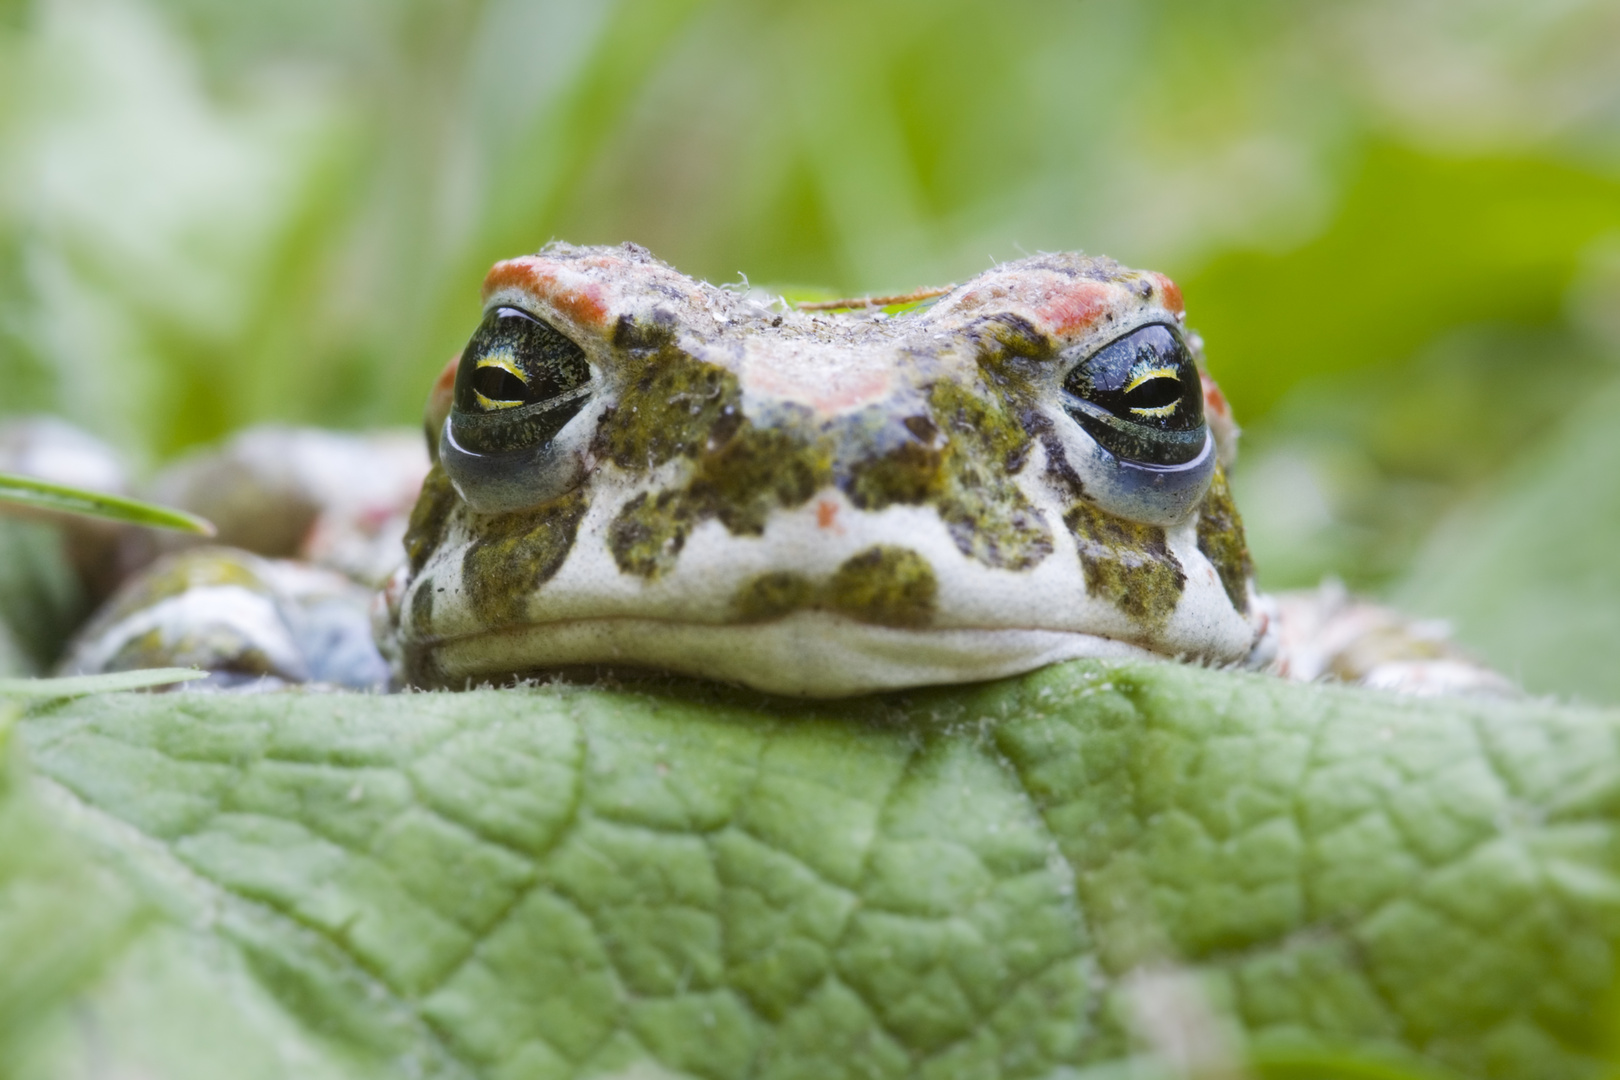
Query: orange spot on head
point(1171, 292)
point(447, 377)
point(440, 398)
point(1215, 403)
point(1074, 306)
point(527, 273)
point(584, 303)
point(826, 513)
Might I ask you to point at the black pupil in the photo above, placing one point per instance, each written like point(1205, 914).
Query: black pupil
point(1145, 398)
point(498, 411)
point(498, 384)
point(1155, 393)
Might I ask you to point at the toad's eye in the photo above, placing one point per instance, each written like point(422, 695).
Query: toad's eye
point(507, 444)
point(1138, 442)
point(519, 382)
point(1140, 398)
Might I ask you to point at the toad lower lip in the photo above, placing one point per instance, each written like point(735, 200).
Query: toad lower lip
point(806, 654)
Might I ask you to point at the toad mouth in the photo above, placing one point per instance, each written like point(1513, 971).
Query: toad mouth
point(802, 654)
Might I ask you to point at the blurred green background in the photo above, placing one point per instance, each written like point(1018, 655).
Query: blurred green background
point(1396, 222)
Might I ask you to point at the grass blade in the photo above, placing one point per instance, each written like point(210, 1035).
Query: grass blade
point(108, 683)
point(43, 495)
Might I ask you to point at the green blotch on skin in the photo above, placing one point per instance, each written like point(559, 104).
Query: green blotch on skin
point(754, 472)
point(422, 607)
point(514, 554)
point(885, 585)
point(1220, 538)
point(770, 596)
point(430, 517)
point(740, 472)
point(648, 534)
point(1127, 563)
point(908, 474)
point(676, 408)
point(966, 476)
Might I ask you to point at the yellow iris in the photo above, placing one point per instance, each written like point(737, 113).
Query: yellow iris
point(506, 363)
point(1154, 412)
point(1152, 373)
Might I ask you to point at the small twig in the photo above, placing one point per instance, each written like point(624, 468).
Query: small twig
point(875, 301)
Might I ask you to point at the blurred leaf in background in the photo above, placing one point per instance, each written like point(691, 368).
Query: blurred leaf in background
point(41, 599)
point(1395, 222)
point(1529, 574)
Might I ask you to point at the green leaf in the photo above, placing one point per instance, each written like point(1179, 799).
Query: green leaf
point(683, 880)
point(43, 495)
point(62, 918)
point(1326, 1063)
point(108, 683)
